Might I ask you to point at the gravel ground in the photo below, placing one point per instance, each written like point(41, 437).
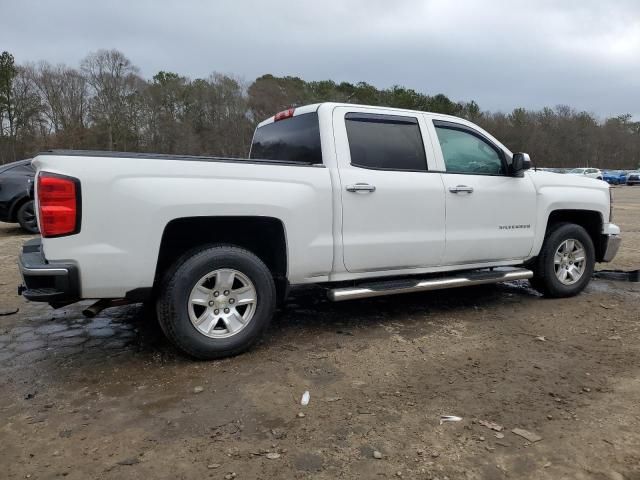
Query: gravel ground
point(109, 398)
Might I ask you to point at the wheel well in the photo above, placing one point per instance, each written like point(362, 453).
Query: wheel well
point(590, 220)
point(13, 213)
point(263, 236)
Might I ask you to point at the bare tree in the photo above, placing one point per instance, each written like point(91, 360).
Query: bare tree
point(65, 97)
point(112, 79)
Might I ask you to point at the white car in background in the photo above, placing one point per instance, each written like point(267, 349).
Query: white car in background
point(587, 172)
point(633, 178)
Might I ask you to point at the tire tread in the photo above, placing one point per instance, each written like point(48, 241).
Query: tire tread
point(544, 279)
point(167, 313)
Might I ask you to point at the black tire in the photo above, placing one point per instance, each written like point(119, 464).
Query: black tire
point(26, 217)
point(545, 279)
point(173, 301)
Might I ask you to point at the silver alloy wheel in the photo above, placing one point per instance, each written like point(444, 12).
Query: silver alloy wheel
point(222, 303)
point(570, 261)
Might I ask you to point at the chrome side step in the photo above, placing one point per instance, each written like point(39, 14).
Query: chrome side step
point(392, 287)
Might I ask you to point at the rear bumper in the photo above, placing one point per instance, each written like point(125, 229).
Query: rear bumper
point(55, 283)
point(611, 245)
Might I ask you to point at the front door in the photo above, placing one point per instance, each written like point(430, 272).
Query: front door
point(490, 214)
point(393, 212)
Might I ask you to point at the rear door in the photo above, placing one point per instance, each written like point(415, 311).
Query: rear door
point(490, 215)
point(392, 204)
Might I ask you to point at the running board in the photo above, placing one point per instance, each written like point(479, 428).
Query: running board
point(410, 285)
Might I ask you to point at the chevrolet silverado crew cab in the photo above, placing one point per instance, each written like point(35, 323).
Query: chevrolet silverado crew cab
point(365, 201)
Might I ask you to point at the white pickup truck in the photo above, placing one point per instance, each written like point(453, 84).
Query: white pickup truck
point(364, 200)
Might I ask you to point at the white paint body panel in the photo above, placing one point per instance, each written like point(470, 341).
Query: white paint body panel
point(481, 226)
point(410, 225)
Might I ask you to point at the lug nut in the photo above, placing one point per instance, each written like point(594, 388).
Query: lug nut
point(211, 303)
point(226, 292)
point(226, 310)
point(215, 294)
point(216, 311)
point(231, 300)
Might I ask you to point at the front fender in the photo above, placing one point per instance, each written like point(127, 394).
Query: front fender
point(568, 198)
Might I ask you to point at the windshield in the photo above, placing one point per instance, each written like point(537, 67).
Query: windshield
point(577, 170)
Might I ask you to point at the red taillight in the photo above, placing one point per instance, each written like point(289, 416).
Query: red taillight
point(284, 114)
point(58, 205)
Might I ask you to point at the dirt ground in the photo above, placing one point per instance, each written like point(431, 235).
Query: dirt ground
point(109, 398)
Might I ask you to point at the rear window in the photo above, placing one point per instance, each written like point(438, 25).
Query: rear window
point(295, 139)
point(385, 142)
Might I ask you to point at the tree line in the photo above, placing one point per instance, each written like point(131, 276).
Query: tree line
point(105, 104)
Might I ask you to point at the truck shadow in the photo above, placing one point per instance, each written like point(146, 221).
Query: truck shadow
point(65, 336)
point(310, 309)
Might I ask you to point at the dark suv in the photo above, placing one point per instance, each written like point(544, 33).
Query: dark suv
point(15, 204)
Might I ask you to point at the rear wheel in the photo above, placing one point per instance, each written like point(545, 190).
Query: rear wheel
point(26, 217)
point(216, 301)
point(566, 261)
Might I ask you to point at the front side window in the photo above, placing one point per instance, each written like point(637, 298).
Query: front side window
point(385, 142)
point(465, 152)
point(295, 139)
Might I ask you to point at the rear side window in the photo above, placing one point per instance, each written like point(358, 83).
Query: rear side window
point(385, 142)
point(295, 139)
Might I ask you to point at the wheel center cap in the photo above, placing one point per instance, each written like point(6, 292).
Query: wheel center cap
point(221, 301)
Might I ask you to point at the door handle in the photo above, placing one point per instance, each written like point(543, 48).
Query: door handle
point(461, 189)
point(361, 187)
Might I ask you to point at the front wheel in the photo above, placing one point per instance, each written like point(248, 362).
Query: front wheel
point(216, 301)
point(566, 261)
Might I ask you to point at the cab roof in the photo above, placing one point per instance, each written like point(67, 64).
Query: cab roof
point(315, 106)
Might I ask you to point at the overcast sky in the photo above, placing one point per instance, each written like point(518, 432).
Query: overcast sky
point(503, 54)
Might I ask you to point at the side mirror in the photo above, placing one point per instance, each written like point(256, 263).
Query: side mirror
point(519, 163)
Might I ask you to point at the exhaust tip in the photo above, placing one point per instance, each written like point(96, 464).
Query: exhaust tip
point(93, 310)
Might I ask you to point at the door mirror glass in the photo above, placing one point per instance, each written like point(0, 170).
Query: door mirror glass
point(520, 163)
